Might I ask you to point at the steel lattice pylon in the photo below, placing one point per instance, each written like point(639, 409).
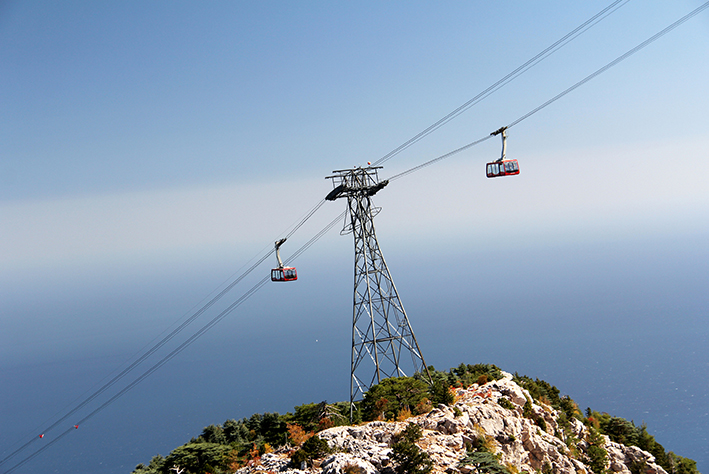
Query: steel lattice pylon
point(381, 331)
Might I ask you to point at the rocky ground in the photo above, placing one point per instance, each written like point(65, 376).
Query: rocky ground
point(518, 442)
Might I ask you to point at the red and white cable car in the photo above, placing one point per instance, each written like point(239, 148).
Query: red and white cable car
point(502, 166)
point(282, 273)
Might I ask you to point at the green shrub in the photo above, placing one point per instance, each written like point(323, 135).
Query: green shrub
point(597, 456)
point(506, 403)
point(441, 393)
point(540, 390)
point(318, 416)
point(411, 433)
point(626, 432)
point(392, 395)
point(409, 457)
point(569, 408)
point(464, 375)
point(313, 448)
point(527, 411)
point(618, 430)
point(195, 457)
point(484, 462)
point(155, 466)
point(541, 423)
point(637, 467)
point(680, 465)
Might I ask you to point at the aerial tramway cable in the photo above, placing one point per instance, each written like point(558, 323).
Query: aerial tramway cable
point(614, 62)
point(144, 356)
point(508, 78)
point(179, 348)
point(561, 94)
point(154, 348)
point(521, 69)
point(256, 287)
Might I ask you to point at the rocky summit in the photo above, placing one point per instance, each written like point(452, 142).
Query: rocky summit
point(498, 418)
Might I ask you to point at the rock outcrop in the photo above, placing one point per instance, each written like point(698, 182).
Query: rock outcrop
point(521, 444)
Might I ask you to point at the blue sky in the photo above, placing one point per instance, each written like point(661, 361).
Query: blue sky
point(149, 150)
point(126, 128)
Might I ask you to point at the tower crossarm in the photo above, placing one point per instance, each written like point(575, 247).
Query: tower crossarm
point(357, 181)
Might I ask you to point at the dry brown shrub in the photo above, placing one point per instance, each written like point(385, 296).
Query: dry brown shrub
point(424, 406)
point(352, 469)
point(404, 414)
point(297, 434)
point(325, 423)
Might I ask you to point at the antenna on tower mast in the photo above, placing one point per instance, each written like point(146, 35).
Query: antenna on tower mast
point(381, 330)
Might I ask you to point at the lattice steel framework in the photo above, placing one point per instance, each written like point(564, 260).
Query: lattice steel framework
point(381, 331)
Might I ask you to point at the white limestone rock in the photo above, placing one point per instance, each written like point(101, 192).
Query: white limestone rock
point(518, 442)
point(340, 463)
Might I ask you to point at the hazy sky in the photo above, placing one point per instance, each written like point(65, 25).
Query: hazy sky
point(132, 128)
point(148, 150)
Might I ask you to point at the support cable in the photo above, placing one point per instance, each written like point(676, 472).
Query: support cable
point(179, 348)
point(508, 78)
point(305, 219)
point(144, 356)
point(317, 237)
point(249, 293)
point(562, 94)
point(154, 348)
point(614, 62)
point(442, 157)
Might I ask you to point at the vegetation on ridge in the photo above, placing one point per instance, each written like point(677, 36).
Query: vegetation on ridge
point(224, 448)
point(619, 430)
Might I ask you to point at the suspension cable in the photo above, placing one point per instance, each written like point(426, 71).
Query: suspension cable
point(508, 78)
point(259, 285)
point(442, 157)
point(145, 355)
point(562, 94)
point(614, 62)
point(155, 347)
point(175, 351)
point(305, 219)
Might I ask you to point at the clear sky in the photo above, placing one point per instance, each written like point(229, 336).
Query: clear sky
point(148, 150)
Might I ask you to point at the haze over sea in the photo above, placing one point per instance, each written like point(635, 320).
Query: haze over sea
point(151, 151)
point(631, 349)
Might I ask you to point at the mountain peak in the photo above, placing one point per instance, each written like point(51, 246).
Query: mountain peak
point(499, 418)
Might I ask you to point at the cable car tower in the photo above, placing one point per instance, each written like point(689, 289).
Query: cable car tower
point(381, 331)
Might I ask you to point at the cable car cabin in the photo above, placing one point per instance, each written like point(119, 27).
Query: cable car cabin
point(502, 168)
point(284, 274)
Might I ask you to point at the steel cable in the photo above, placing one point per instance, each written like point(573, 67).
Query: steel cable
point(178, 349)
point(249, 293)
point(565, 92)
point(614, 62)
point(144, 356)
point(508, 78)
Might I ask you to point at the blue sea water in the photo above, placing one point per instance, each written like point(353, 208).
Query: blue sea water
point(620, 327)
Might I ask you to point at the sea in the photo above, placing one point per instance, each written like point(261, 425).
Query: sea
point(621, 327)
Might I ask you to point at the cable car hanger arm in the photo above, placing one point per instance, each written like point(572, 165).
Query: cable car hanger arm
point(278, 252)
point(502, 131)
